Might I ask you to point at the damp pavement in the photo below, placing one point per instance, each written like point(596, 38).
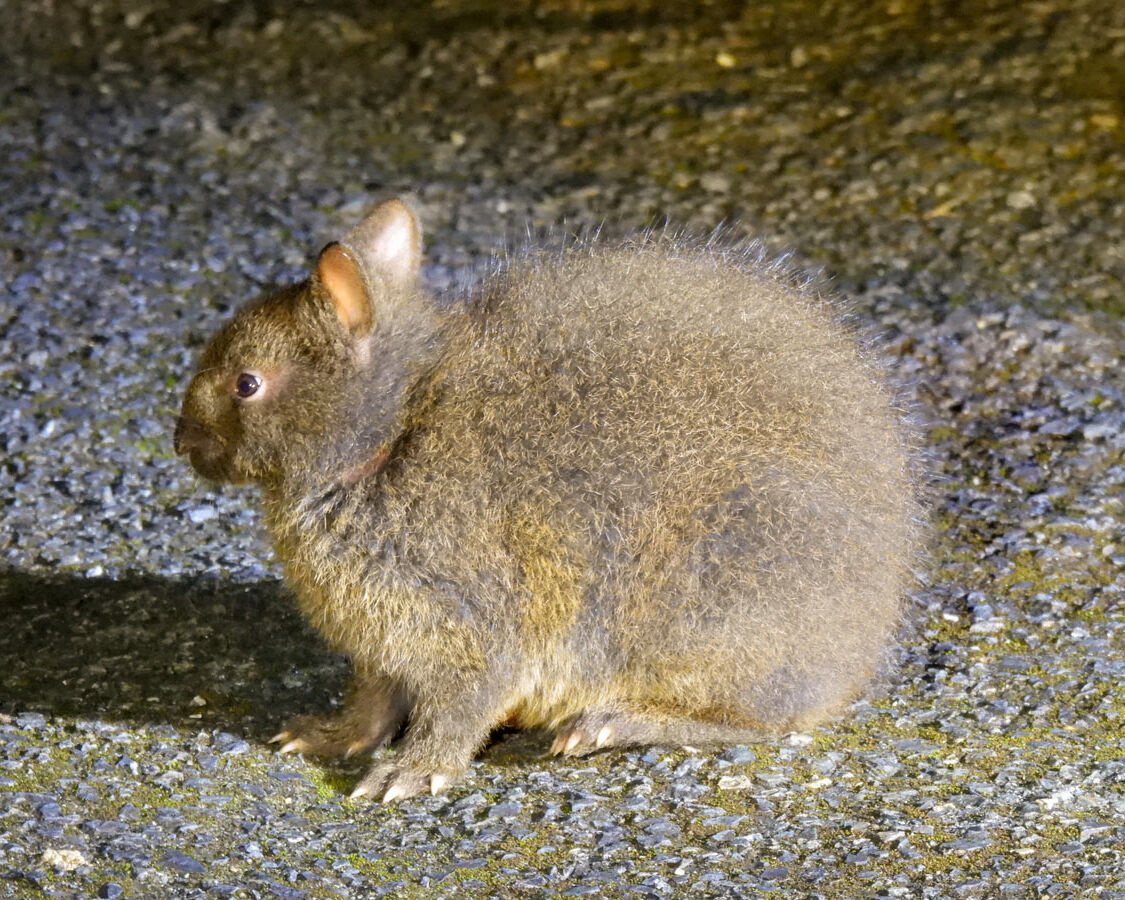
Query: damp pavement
point(958, 170)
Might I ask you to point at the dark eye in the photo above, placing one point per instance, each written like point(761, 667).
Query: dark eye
point(247, 385)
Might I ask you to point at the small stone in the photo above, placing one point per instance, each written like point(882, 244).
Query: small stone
point(197, 515)
point(1097, 431)
point(1093, 829)
point(64, 860)
point(734, 783)
point(49, 811)
point(182, 862)
point(285, 893)
point(715, 183)
point(548, 60)
point(664, 828)
point(1104, 121)
point(687, 767)
point(971, 841)
point(739, 755)
point(86, 792)
point(686, 789)
point(229, 744)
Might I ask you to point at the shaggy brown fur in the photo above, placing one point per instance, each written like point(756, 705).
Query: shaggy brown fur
point(639, 493)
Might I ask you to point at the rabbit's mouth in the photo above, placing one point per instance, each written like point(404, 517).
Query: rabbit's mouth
point(205, 450)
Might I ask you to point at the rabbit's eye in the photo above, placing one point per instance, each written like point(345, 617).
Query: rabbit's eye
point(247, 385)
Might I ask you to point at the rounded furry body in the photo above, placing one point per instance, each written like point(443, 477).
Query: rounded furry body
point(642, 493)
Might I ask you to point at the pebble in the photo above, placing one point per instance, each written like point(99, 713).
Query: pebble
point(63, 860)
point(197, 515)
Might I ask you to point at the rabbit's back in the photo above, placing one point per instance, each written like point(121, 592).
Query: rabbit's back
point(676, 459)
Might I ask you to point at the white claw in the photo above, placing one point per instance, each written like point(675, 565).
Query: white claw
point(353, 749)
point(279, 737)
point(294, 746)
point(572, 741)
point(394, 792)
point(361, 790)
point(438, 783)
point(604, 735)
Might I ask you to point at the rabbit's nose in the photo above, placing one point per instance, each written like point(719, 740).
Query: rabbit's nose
point(190, 435)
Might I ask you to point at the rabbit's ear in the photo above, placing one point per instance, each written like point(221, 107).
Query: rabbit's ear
point(341, 277)
point(388, 243)
point(380, 256)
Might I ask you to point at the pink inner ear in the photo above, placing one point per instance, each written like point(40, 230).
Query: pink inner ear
point(343, 281)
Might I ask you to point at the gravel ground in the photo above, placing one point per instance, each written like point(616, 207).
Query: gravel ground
point(958, 169)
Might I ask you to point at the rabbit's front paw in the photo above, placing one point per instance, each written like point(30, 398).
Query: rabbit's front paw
point(390, 781)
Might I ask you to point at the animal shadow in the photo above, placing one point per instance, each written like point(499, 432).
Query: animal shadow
point(193, 653)
point(196, 653)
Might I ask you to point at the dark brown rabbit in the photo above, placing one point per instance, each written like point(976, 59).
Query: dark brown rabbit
point(641, 493)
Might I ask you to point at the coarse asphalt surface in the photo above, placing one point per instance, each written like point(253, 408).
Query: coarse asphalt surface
point(957, 169)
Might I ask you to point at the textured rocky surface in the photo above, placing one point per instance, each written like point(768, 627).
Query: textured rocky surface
point(958, 169)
